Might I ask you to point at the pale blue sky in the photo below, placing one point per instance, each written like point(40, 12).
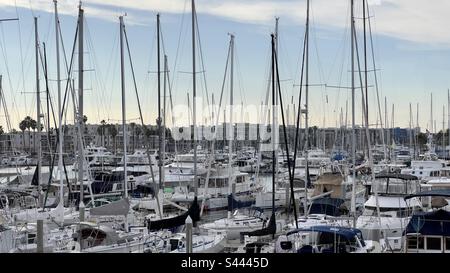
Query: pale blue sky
point(412, 49)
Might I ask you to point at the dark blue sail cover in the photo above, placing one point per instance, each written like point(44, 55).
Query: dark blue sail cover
point(236, 204)
point(348, 233)
point(430, 223)
point(328, 206)
point(436, 193)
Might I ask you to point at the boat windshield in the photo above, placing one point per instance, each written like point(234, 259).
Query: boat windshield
point(388, 212)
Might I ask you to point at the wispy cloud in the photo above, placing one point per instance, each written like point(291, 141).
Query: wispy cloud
point(412, 20)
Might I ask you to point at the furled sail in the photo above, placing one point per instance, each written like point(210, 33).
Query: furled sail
point(168, 223)
point(270, 229)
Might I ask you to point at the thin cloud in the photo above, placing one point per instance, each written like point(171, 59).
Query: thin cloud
point(411, 20)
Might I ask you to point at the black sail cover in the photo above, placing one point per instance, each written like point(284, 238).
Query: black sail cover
point(270, 229)
point(237, 204)
point(34, 180)
point(173, 222)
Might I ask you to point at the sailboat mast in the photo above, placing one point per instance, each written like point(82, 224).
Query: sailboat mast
point(431, 114)
point(393, 127)
point(163, 124)
point(194, 120)
point(80, 106)
point(61, 140)
point(410, 127)
point(273, 122)
point(365, 71)
point(124, 118)
point(231, 127)
point(158, 121)
point(417, 137)
point(275, 111)
point(307, 107)
point(388, 134)
point(189, 108)
point(38, 110)
point(353, 201)
point(443, 125)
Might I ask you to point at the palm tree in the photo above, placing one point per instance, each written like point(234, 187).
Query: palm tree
point(150, 131)
point(147, 134)
point(28, 123)
point(101, 131)
point(133, 126)
point(23, 127)
point(112, 130)
point(138, 132)
point(33, 126)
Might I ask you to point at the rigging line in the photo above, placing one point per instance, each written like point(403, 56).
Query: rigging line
point(315, 43)
point(68, 86)
point(340, 48)
point(319, 64)
point(286, 60)
point(240, 78)
point(146, 85)
point(5, 57)
point(299, 116)
point(95, 84)
point(211, 156)
point(375, 77)
point(291, 171)
point(178, 43)
point(112, 61)
point(344, 56)
point(297, 65)
point(31, 9)
point(21, 53)
point(27, 51)
point(167, 72)
point(49, 32)
point(98, 74)
point(69, 71)
point(57, 130)
point(366, 126)
point(5, 109)
point(202, 60)
point(172, 113)
point(139, 107)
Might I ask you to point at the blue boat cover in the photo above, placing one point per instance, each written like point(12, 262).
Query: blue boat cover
point(237, 204)
point(397, 176)
point(442, 192)
point(327, 205)
point(430, 223)
point(348, 233)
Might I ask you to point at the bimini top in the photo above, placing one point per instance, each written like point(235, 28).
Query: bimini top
point(443, 193)
point(396, 175)
point(432, 223)
point(348, 233)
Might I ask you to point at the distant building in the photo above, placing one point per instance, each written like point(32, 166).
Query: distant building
point(245, 134)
